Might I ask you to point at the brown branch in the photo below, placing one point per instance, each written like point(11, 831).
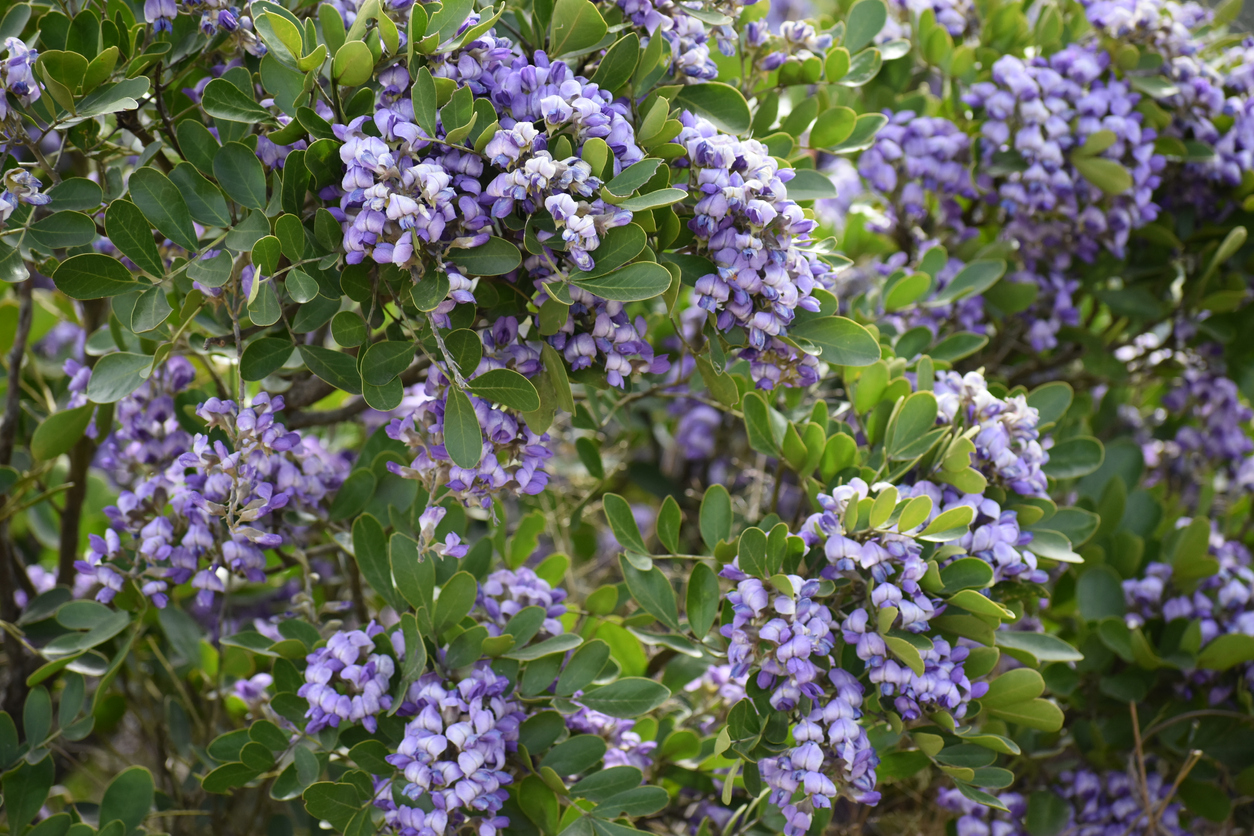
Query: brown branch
point(12, 405)
point(12, 572)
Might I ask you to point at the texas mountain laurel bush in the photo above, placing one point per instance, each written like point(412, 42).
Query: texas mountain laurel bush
point(619, 417)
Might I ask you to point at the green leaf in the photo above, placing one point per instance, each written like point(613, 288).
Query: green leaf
point(163, 205)
point(629, 697)
point(495, 257)
point(59, 432)
point(204, 200)
point(264, 357)
point(1099, 594)
point(463, 438)
point(457, 599)
point(640, 801)
point(948, 525)
point(619, 63)
point(808, 184)
point(507, 387)
point(129, 231)
point(425, 100)
point(1038, 714)
point(720, 103)
point(1013, 686)
point(223, 100)
point(575, 755)
point(620, 245)
point(584, 666)
point(842, 341)
point(1051, 401)
point(385, 360)
point(633, 177)
point(370, 550)
point(866, 19)
point(864, 131)
point(241, 175)
point(576, 27)
point(1226, 651)
point(652, 590)
point(335, 803)
point(332, 367)
point(62, 230)
point(151, 310)
point(703, 600)
point(116, 375)
point(914, 420)
point(716, 516)
point(633, 283)
point(25, 790)
point(93, 276)
point(128, 798)
point(607, 783)
point(1107, 175)
point(669, 519)
point(557, 644)
point(833, 127)
point(972, 280)
point(966, 573)
point(1074, 457)
point(623, 523)
point(1040, 646)
point(353, 64)
point(653, 200)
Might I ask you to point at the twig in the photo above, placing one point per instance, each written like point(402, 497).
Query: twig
point(1140, 755)
point(12, 405)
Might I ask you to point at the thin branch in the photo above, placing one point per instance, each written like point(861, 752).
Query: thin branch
point(12, 405)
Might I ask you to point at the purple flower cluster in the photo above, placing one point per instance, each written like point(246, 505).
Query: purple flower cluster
point(624, 746)
point(20, 186)
point(600, 330)
point(1222, 604)
point(1112, 804)
point(453, 754)
point(687, 36)
point(347, 681)
point(977, 820)
point(796, 41)
point(216, 17)
point(513, 458)
point(995, 536)
point(504, 593)
point(753, 233)
point(17, 76)
point(1215, 435)
point(215, 508)
point(147, 437)
point(1008, 449)
point(829, 743)
point(782, 635)
point(921, 168)
point(1039, 113)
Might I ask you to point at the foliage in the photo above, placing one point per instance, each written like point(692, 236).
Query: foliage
point(592, 418)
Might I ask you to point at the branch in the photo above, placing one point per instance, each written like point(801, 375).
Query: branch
point(12, 405)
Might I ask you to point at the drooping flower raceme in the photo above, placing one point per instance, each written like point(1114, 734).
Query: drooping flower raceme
point(452, 758)
point(346, 681)
point(504, 593)
point(753, 233)
point(513, 456)
point(217, 507)
point(1008, 449)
